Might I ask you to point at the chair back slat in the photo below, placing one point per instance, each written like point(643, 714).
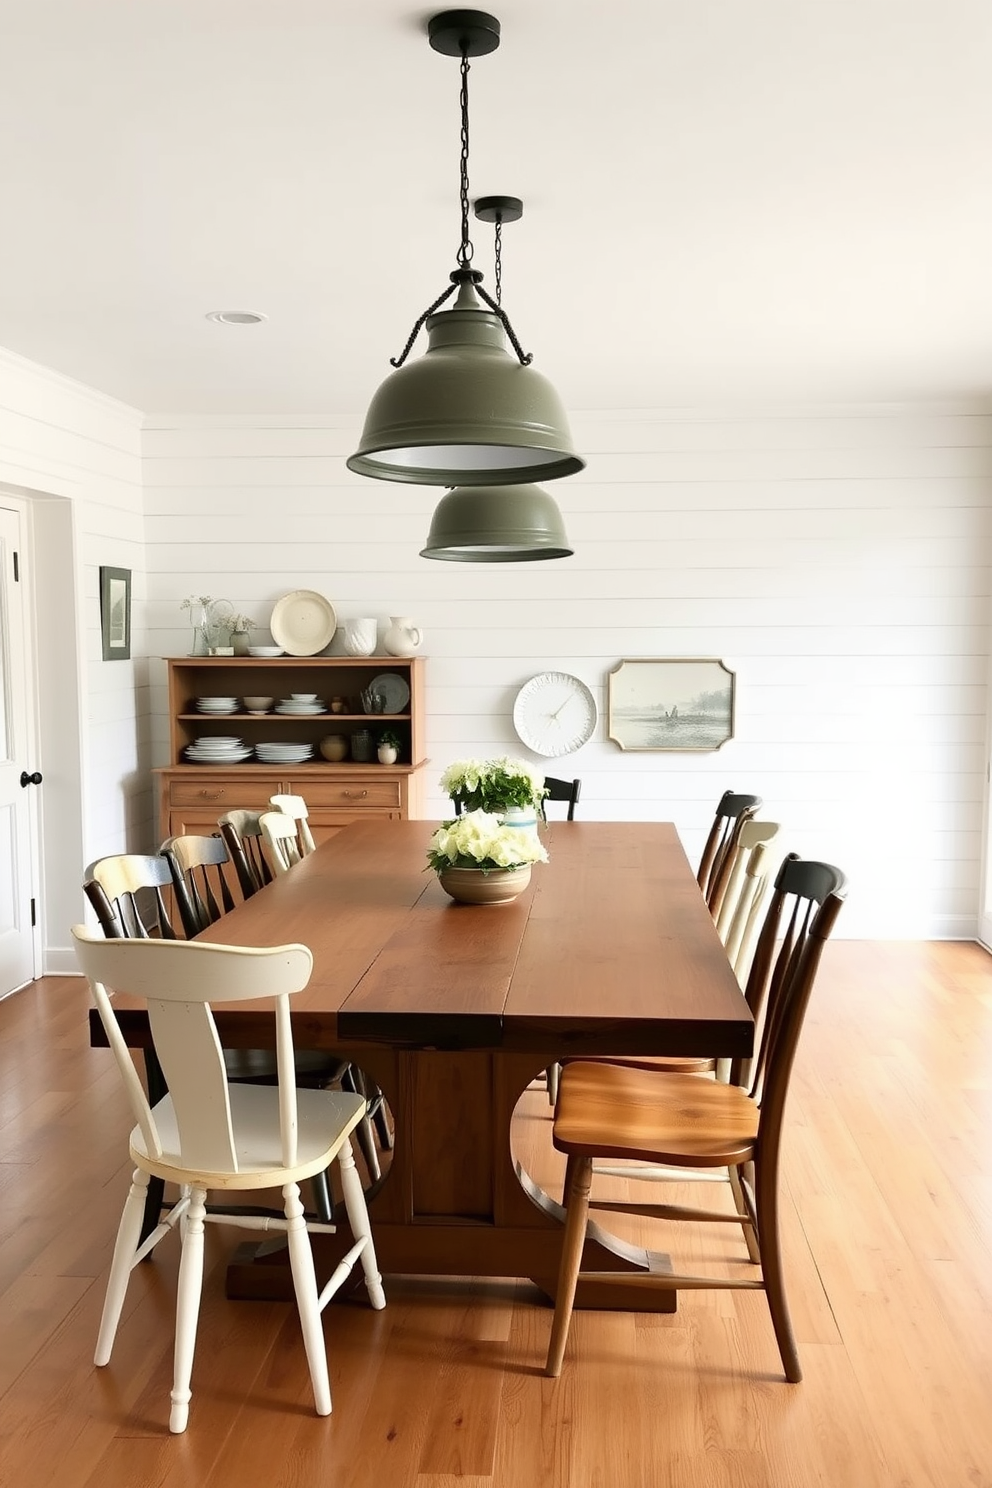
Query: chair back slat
point(180, 980)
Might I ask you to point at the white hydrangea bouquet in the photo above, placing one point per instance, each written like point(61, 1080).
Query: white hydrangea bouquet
point(493, 785)
point(478, 839)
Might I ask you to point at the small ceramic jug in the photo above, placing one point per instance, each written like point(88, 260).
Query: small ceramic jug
point(360, 636)
point(402, 638)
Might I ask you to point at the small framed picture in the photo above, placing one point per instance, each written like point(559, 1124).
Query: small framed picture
point(671, 705)
point(115, 613)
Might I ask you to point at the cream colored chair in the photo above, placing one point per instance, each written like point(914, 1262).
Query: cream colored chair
point(279, 833)
point(296, 807)
point(207, 1133)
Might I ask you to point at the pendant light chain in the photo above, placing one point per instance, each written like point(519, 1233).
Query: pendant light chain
point(466, 250)
point(499, 258)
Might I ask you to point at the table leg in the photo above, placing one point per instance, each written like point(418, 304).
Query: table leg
point(453, 1202)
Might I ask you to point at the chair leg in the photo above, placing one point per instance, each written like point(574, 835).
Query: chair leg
point(307, 1301)
point(187, 1308)
point(750, 1238)
point(578, 1181)
point(380, 1120)
point(155, 1192)
point(128, 1240)
point(322, 1197)
point(766, 1198)
point(354, 1079)
point(552, 1073)
point(358, 1219)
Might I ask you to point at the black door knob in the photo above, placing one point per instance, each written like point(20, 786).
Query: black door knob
point(34, 779)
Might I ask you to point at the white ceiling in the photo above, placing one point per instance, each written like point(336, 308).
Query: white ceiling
point(781, 199)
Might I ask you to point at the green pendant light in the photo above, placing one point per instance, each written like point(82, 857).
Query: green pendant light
point(468, 411)
point(496, 524)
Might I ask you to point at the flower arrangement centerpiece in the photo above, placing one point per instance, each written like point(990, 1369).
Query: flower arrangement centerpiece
point(495, 786)
point(480, 860)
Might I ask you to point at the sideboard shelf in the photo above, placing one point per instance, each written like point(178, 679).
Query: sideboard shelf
point(192, 796)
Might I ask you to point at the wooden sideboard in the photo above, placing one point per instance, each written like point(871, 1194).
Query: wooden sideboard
point(192, 796)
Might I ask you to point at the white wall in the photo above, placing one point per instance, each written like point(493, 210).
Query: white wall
point(75, 457)
point(836, 559)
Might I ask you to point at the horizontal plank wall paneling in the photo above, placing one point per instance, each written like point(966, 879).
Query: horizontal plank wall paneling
point(837, 560)
point(61, 443)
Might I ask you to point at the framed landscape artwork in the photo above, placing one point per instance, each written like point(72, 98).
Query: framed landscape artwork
point(671, 705)
point(115, 613)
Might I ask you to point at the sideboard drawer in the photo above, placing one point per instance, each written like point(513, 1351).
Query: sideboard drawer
point(353, 795)
point(227, 791)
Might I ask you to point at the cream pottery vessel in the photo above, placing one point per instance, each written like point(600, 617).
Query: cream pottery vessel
point(403, 638)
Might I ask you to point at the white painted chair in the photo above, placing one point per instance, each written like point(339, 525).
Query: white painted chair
point(280, 837)
point(756, 861)
point(296, 807)
point(210, 1134)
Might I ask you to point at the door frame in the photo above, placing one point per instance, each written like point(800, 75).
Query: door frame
point(31, 726)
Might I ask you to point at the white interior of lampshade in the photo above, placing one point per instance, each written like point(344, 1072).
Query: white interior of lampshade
point(465, 457)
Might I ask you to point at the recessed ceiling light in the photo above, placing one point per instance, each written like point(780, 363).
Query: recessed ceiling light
point(236, 317)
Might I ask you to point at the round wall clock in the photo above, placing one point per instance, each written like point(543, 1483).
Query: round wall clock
point(554, 713)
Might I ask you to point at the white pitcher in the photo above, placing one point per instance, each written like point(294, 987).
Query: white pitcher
point(360, 636)
point(402, 638)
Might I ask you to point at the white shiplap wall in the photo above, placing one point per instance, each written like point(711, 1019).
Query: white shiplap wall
point(63, 443)
point(836, 559)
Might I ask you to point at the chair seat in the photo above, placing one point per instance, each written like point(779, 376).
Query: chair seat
point(326, 1117)
point(612, 1110)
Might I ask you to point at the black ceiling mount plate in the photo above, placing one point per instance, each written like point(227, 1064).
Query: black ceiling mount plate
point(499, 209)
point(471, 31)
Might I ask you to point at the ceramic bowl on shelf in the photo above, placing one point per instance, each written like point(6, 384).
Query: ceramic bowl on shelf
point(303, 697)
point(258, 704)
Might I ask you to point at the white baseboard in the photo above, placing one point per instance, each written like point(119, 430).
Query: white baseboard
point(60, 961)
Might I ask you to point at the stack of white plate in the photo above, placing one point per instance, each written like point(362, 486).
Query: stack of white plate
point(222, 749)
point(265, 651)
point(300, 708)
point(216, 705)
point(284, 754)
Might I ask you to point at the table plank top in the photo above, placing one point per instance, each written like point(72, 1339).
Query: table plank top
point(611, 948)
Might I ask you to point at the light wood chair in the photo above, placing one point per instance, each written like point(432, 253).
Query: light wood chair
point(209, 1134)
point(199, 866)
point(296, 807)
point(242, 837)
point(714, 866)
point(614, 1111)
point(561, 790)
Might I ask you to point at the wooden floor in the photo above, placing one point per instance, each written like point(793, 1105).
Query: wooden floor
point(889, 1254)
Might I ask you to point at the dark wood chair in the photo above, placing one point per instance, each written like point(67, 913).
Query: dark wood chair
point(127, 892)
point(242, 837)
point(719, 850)
point(199, 866)
point(561, 790)
point(685, 1121)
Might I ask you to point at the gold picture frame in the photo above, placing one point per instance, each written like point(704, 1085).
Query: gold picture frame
point(671, 704)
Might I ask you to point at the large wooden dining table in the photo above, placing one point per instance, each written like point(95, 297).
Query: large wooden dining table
point(454, 1009)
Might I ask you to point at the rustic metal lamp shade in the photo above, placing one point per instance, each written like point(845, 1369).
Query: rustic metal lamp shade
point(466, 412)
point(497, 524)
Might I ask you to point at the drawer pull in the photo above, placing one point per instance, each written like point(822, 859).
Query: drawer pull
point(359, 794)
point(210, 795)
